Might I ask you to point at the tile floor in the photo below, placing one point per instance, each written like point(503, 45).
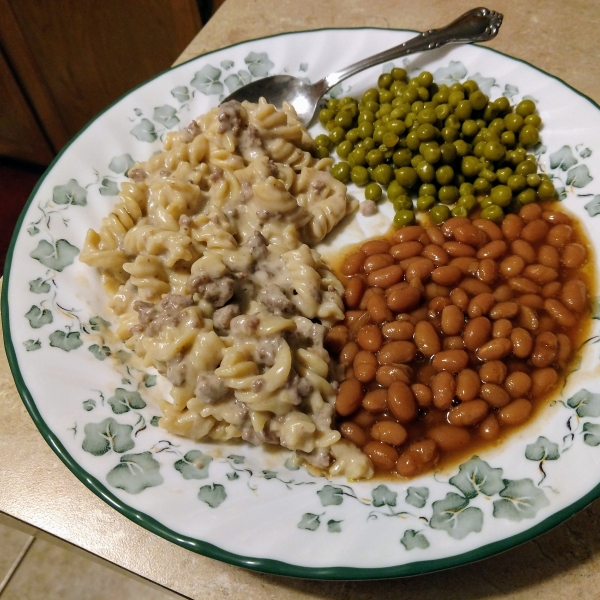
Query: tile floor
point(35, 567)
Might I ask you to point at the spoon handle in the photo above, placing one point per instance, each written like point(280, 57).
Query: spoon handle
point(477, 25)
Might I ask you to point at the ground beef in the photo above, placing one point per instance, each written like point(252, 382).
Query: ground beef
point(230, 117)
point(137, 175)
point(275, 301)
point(244, 325)
point(222, 317)
point(192, 131)
point(257, 245)
point(210, 388)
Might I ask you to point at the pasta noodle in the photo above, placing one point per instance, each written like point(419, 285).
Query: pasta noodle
point(207, 262)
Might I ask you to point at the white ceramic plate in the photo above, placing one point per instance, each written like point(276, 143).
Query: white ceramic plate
point(246, 507)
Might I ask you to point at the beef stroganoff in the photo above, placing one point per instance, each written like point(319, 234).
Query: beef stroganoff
point(207, 260)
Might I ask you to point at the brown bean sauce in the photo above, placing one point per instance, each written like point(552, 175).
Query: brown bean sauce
point(451, 347)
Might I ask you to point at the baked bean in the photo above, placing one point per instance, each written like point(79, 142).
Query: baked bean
point(480, 305)
point(365, 366)
point(503, 293)
point(433, 290)
point(554, 217)
point(495, 349)
point(389, 432)
point(437, 254)
point(504, 310)
point(546, 324)
point(355, 288)
point(515, 413)
point(425, 374)
point(375, 247)
point(451, 224)
point(468, 413)
point(524, 250)
point(512, 227)
point(348, 353)
point(355, 319)
point(574, 295)
point(443, 386)
point(435, 235)
point(559, 312)
point(466, 264)
point(420, 314)
point(363, 418)
point(336, 338)
point(369, 337)
point(475, 287)
point(542, 381)
point(382, 455)
point(401, 402)
point(387, 374)
point(377, 261)
point(369, 292)
point(467, 385)
point(531, 301)
point(447, 276)
point(564, 349)
point(458, 249)
point(522, 285)
point(544, 350)
point(548, 256)
point(349, 397)
point(426, 338)
point(573, 255)
point(453, 342)
point(528, 319)
point(354, 433)
point(517, 384)
point(530, 212)
point(403, 300)
point(438, 304)
point(421, 269)
point(489, 429)
point(469, 234)
point(386, 277)
point(487, 271)
point(422, 394)
point(493, 250)
point(501, 328)
point(448, 437)
point(378, 309)
point(398, 330)
point(535, 231)
point(416, 458)
point(522, 342)
point(406, 250)
point(405, 263)
point(408, 234)
point(450, 360)
point(560, 235)
point(453, 320)
point(512, 266)
point(540, 274)
point(494, 395)
point(375, 401)
point(489, 228)
point(552, 289)
point(353, 263)
point(396, 352)
point(460, 298)
point(493, 371)
point(477, 332)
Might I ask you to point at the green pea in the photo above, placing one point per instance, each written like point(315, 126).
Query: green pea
point(352, 135)
point(410, 94)
point(466, 189)
point(386, 96)
point(403, 218)
point(448, 194)
point(487, 135)
point(441, 96)
point(426, 132)
point(478, 149)
point(546, 190)
point(397, 88)
point(390, 139)
point(444, 175)
point(497, 126)
point(527, 167)
point(337, 135)
point(366, 115)
point(534, 120)
point(373, 192)
point(416, 160)
point(384, 110)
point(426, 115)
point(359, 175)
point(463, 110)
point(470, 86)
point(406, 176)
point(402, 203)
point(501, 195)
point(431, 152)
point(492, 213)
point(452, 121)
point(323, 140)
point(525, 108)
point(470, 166)
point(374, 157)
point(372, 105)
point(494, 151)
point(365, 129)
point(367, 144)
point(396, 126)
point(490, 112)
point(400, 112)
point(462, 148)
point(402, 157)
point(450, 134)
point(459, 211)
point(333, 104)
point(468, 201)
point(527, 196)
point(503, 174)
point(513, 122)
point(502, 104)
point(385, 80)
point(482, 186)
point(399, 74)
point(358, 156)
point(454, 98)
point(478, 100)
point(344, 148)
point(529, 136)
point(346, 101)
point(425, 78)
point(383, 174)
point(395, 189)
point(423, 93)
point(485, 202)
point(533, 179)
point(341, 171)
point(443, 111)
point(321, 152)
point(412, 141)
point(371, 94)
point(425, 202)
point(439, 213)
point(427, 189)
point(425, 171)
point(488, 174)
point(516, 183)
point(326, 115)
point(508, 139)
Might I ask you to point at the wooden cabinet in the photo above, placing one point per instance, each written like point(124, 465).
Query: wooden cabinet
point(63, 61)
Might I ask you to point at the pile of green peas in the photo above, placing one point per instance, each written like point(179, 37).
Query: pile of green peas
point(452, 147)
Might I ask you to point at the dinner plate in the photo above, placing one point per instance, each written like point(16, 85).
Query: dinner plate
point(246, 505)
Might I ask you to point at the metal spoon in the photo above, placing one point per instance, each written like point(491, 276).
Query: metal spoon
point(476, 25)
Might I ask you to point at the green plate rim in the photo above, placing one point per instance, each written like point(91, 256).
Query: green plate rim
point(264, 565)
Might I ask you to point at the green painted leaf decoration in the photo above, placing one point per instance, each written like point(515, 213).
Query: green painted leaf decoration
point(65, 341)
point(412, 540)
point(39, 286)
point(166, 115)
point(232, 476)
point(330, 495)
point(485, 83)
point(382, 495)
point(476, 476)
point(453, 515)
point(417, 496)
point(206, 80)
point(542, 449)
point(563, 159)
point(122, 355)
point(585, 153)
point(521, 499)
point(303, 67)
point(237, 80)
point(591, 434)
point(181, 93)
point(56, 257)
point(585, 403)
point(269, 474)
point(98, 323)
point(135, 473)
point(214, 495)
point(70, 193)
point(121, 163)
point(258, 64)
point(107, 435)
point(510, 90)
point(90, 404)
point(309, 521)
point(138, 112)
point(227, 64)
point(236, 459)
point(593, 206)
point(33, 230)
point(149, 380)
point(334, 526)
point(144, 131)
point(32, 345)
point(100, 352)
point(579, 176)
point(124, 401)
point(454, 72)
point(154, 421)
point(109, 187)
point(37, 317)
point(194, 465)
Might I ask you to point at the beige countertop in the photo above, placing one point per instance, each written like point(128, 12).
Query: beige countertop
point(38, 490)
